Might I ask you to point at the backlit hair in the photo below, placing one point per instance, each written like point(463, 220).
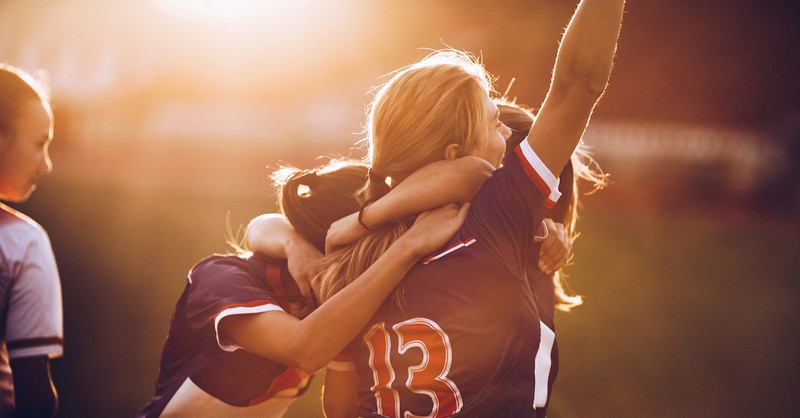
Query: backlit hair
point(424, 107)
point(16, 88)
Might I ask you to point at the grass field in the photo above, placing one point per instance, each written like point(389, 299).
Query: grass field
point(688, 312)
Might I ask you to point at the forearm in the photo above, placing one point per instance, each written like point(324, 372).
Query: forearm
point(339, 399)
point(588, 46)
point(315, 340)
point(269, 234)
point(326, 331)
point(434, 185)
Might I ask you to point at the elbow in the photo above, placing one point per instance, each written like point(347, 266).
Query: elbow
point(305, 355)
point(476, 171)
point(477, 168)
point(310, 364)
point(585, 88)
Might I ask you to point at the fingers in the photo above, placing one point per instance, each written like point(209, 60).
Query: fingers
point(343, 232)
point(555, 249)
point(329, 242)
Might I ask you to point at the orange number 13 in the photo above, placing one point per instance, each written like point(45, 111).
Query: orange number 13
point(427, 378)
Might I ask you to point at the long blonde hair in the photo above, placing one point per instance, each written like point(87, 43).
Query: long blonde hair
point(425, 107)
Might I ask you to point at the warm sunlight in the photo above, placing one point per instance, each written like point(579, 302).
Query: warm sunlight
point(217, 10)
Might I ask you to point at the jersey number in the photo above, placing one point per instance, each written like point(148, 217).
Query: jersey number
point(427, 378)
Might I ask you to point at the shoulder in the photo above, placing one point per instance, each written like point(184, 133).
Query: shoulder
point(16, 223)
point(23, 242)
point(219, 266)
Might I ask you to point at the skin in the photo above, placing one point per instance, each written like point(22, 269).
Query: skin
point(580, 75)
point(24, 158)
point(310, 343)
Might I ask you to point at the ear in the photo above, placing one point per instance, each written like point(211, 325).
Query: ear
point(452, 151)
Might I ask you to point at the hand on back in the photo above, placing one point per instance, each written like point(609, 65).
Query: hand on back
point(434, 228)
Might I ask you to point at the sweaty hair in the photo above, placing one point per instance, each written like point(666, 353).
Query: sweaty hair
point(580, 166)
point(16, 88)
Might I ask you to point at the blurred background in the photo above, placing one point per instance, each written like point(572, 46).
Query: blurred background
point(171, 114)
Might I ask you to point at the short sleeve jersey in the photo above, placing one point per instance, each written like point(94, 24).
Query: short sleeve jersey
point(466, 340)
point(205, 374)
point(31, 321)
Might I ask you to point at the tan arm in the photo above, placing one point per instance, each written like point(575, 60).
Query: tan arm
point(313, 342)
point(434, 185)
point(581, 72)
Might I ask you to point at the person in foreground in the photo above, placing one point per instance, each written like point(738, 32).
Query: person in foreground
point(462, 335)
point(244, 340)
point(30, 288)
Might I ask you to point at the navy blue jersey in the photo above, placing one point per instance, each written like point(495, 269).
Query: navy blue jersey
point(466, 340)
point(203, 373)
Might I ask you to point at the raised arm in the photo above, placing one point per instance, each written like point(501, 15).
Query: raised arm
point(581, 72)
point(434, 185)
point(312, 342)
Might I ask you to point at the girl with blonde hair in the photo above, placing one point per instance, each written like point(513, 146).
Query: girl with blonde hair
point(465, 337)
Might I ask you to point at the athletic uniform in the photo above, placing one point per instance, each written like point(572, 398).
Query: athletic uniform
point(202, 372)
point(31, 321)
point(543, 289)
point(466, 341)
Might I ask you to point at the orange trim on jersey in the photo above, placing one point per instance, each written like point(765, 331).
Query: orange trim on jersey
point(534, 176)
point(292, 378)
point(274, 279)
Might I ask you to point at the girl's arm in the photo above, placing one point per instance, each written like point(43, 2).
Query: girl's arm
point(436, 184)
point(272, 235)
point(581, 72)
point(339, 399)
point(556, 247)
point(312, 342)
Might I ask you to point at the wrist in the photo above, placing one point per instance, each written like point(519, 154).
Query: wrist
point(367, 225)
point(407, 249)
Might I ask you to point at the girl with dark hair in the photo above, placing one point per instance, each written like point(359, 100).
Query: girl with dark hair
point(244, 341)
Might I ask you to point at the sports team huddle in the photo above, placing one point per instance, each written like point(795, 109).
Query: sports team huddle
point(424, 279)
